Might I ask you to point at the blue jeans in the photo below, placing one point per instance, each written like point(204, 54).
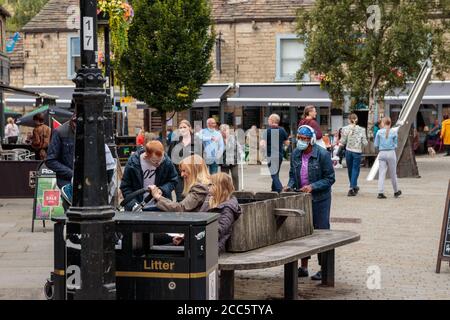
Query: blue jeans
point(213, 168)
point(353, 167)
point(274, 169)
point(321, 219)
point(321, 213)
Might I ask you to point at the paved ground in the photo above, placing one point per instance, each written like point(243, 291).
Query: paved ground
point(399, 237)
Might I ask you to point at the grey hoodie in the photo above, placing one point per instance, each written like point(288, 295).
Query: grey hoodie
point(229, 213)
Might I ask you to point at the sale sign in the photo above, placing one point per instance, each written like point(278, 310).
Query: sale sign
point(51, 198)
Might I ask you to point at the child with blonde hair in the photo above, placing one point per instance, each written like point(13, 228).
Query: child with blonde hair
point(386, 141)
point(221, 200)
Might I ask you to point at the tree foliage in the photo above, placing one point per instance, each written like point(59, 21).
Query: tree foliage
point(168, 55)
point(357, 51)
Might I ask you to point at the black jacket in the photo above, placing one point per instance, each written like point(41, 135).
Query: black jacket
point(177, 151)
point(60, 154)
point(166, 178)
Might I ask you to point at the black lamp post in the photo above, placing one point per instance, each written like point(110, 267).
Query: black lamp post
point(90, 270)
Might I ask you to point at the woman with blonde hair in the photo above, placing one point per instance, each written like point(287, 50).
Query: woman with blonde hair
point(183, 145)
point(221, 200)
point(386, 141)
point(196, 181)
point(11, 131)
point(354, 139)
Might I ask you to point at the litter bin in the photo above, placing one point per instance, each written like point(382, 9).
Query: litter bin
point(148, 265)
point(149, 269)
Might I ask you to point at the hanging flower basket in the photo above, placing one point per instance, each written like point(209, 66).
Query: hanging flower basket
point(119, 15)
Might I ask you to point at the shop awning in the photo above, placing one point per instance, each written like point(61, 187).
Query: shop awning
point(279, 95)
point(62, 95)
point(210, 96)
point(436, 92)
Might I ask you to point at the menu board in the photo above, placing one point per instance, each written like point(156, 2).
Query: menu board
point(446, 249)
point(444, 244)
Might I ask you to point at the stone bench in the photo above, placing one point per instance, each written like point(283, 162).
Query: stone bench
point(285, 253)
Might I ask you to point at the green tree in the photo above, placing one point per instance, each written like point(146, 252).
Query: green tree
point(368, 48)
point(22, 12)
point(169, 53)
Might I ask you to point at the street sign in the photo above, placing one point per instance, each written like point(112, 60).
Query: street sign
point(88, 37)
point(444, 245)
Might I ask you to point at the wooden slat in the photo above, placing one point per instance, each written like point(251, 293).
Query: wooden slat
point(288, 251)
point(259, 227)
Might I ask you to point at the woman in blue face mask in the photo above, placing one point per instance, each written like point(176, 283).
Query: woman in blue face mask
point(312, 172)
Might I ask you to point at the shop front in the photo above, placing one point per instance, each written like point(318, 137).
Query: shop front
point(435, 105)
point(288, 100)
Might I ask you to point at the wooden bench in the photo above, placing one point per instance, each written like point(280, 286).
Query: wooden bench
point(285, 253)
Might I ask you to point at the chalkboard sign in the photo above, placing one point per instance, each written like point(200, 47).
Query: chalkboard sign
point(444, 245)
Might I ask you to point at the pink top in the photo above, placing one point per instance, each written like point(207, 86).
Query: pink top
point(304, 180)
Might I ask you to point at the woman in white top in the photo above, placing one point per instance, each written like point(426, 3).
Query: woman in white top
point(11, 131)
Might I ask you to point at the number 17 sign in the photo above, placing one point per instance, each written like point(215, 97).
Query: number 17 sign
point(88, 33)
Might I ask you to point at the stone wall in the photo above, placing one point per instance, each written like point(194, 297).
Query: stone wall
point(249, 51)
point(46, 59)
point(17, 77)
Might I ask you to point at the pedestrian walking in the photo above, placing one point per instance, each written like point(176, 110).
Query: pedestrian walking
point(41, 137)
point(312, 172)
point(232, 155)
point(212, 145)
point(445, 134)
point(354, 139)
point(386, 141)
point(196, 187)
point(11, 131)
point(275, 138)
point(182, 147)
point(309, 119)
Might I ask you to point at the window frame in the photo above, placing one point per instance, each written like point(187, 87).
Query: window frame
point(69, 54)
point(278, 76)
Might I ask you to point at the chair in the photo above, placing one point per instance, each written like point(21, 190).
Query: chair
point(23, 154)
point(9, 155)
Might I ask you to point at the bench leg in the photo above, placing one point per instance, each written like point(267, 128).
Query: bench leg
point(226, 289)
point(328, 268)
point(291, 281)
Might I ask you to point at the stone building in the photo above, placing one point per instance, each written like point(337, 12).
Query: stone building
point(47, 56)
point(256, 56)
point(255, 60)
